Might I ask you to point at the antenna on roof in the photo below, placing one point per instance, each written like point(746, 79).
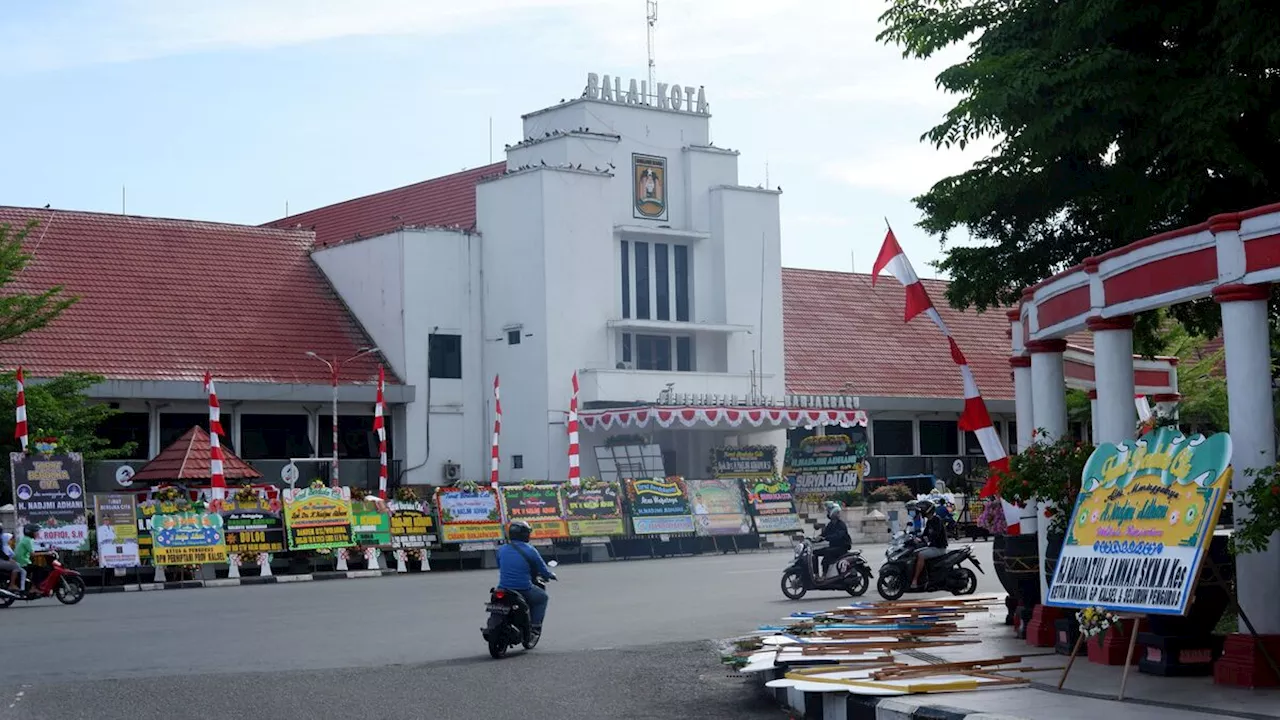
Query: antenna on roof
point(652, 19)
point(122, 212)
point(853, 265)
point(490, 139)
point(286, 208)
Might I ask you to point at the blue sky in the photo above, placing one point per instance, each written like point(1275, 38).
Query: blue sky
point(227, 110)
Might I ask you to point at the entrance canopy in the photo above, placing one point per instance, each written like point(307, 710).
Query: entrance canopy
point(689, 416)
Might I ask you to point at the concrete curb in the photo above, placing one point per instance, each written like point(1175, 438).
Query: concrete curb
point(237, 582)
point(845, 706)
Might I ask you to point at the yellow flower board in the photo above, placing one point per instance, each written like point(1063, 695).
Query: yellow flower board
point(1142, 523)
point(318, 518)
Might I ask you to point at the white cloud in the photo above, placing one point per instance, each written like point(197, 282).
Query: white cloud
point(907, 170)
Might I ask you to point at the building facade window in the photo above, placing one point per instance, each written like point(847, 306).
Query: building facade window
point(513, 337)
point(175, 425)
point(939, 437)
point(662, 281)
point(264, 437)
point(655, 281)
point(626, 279)
point(642, 280)
point(356, 437)
point(123, 429)
point(445, 356)
point(658, 352)
point(517, 462)
point(893, 437)
point(681, 253)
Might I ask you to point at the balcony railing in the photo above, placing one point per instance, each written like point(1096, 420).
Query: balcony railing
point(648, 386)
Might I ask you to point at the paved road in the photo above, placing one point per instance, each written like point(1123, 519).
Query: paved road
point(623, 639)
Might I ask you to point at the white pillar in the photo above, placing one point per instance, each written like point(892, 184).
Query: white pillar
point(1022, 399)
point(1093, 416)
point(1024, 407)
point(1048, 387)
point(1116, 417)
point(1049, 410)
point(1246, 336)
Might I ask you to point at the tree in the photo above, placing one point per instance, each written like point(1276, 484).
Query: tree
point(58, 408)
point(1114, 120)
point(20, 311)
point(1202, 380)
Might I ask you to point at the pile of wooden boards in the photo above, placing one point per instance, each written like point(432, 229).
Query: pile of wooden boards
point(874, 649)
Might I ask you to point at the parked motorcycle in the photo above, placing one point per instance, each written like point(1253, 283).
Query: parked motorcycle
point(943, 573)
point(509, 622)
point(853, 574)
point(61, 582)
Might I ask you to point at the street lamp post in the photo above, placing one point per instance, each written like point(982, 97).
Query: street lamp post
point(335, 369)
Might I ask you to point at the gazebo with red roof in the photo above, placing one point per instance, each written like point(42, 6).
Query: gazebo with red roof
point(188, 459)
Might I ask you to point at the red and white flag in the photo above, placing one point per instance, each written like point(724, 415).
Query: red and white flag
point(975, 417)
point(574, 477)
point(379, 426)
point(218, 481)
point(20, 427)
point(497, 428)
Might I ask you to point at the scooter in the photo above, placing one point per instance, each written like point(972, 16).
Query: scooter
point(62, 582)
point(853, 574)
point(943, 573)
point(509, 622)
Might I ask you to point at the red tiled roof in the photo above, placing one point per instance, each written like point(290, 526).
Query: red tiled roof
point(169, 299)
point(839, 330)
point(187, 458)
point(447, 200)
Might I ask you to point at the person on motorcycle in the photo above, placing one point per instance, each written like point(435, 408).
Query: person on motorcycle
point(22, 553)
point(7, 565)
point(935, 534)
point(518, 564)
point(836, 535)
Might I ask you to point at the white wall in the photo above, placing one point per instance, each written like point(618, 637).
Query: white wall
point(510, 214)
point(402, 287)
point(368, 277)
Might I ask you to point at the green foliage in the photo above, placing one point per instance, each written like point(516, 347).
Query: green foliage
point(1112, 121)
point(58, 408)
point(1047, 472)
point(22, 311)
point(1202, 380)
point(1079, 409)
point(897, 492)
point(1255, 528)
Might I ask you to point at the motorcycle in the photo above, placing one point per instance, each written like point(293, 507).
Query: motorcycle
point(61, 582)
point(943, 573)
point(853, 575)
point(509, 622)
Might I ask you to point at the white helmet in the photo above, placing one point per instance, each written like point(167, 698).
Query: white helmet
point(833, 508)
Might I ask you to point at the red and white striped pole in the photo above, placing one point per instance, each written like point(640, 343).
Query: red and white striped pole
point(493, 450)
point(574, 476)
point(379, 424)
point(20, 427)
point(218, 481)
point(497, 428)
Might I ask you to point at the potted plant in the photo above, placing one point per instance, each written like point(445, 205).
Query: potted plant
point(1048, 472)
point(992, 520)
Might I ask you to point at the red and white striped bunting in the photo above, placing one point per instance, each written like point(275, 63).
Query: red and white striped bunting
point(379, 425)
point(572, 426)
point(497, 429)
point(217, 480)
point(20, 427)
point(665, 417)
point(975, 417)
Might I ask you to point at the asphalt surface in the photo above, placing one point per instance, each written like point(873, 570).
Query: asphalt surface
point(622, 640)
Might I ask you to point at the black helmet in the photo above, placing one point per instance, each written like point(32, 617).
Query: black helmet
point(925, 508)
point(30, 530)
point(519, 531)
